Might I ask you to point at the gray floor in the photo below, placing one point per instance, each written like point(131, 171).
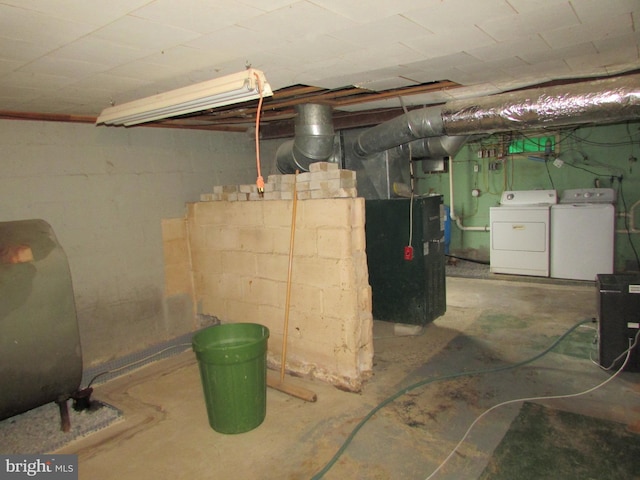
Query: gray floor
point(469, 268)
point(489, 324)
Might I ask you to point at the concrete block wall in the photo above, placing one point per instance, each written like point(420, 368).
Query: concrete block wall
point(177, 261)
point(105, 192)
point(240, 259)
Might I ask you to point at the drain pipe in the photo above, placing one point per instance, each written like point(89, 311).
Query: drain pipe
point(452, 213)
point(313, 141)
point(443, 146)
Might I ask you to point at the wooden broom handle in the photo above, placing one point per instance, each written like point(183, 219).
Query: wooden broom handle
point(283, 360)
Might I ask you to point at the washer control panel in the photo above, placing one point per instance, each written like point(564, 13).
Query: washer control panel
point(588, 195)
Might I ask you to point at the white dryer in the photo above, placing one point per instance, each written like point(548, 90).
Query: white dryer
point(519, 233)
point(583, 234)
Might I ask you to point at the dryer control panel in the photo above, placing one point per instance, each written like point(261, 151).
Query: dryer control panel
point(528, 197)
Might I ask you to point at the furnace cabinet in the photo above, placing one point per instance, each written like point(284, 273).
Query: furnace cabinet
point(406, 290)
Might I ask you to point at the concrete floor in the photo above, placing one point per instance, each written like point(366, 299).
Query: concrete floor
point(489, 323)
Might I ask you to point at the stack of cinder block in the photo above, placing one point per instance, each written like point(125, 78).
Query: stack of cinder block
point(323, 180)
point(232, 193)
point(279, 187)
point(326, 180)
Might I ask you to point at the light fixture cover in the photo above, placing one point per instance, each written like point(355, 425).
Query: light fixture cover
point(234, 88)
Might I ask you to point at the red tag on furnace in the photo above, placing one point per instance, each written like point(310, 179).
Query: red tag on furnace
point(408, 252)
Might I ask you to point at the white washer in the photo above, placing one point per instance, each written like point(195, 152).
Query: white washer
point(583, 234)
point(519, 234)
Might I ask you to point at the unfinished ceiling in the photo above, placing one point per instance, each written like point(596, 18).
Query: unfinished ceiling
point(70, 59)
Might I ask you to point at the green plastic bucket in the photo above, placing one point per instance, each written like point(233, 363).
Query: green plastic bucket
point(232, 359)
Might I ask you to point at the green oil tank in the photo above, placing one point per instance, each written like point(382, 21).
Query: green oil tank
point(40, 355)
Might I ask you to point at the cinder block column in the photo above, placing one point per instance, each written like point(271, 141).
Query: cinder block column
point(240, 253)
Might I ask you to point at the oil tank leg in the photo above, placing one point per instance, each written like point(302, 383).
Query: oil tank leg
point(65, 421)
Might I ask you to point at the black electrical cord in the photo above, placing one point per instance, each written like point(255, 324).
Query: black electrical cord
point(603, 175)
point(561, 139)
point(593, 143)
point(546, 166)
point(571, 134)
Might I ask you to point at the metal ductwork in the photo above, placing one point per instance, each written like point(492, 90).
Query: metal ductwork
point(601, 101)
point(414, 125)
point(437, 147)
point(313, 141)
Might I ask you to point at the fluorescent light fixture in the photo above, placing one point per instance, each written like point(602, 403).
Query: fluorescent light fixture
point(234, 88)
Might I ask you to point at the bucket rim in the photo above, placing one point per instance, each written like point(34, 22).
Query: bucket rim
point(202, 348)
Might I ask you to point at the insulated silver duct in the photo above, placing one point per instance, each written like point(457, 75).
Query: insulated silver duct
point(313, 141)
point(601, 101)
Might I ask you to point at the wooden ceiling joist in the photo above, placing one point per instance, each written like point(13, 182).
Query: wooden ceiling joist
point(278, 110)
